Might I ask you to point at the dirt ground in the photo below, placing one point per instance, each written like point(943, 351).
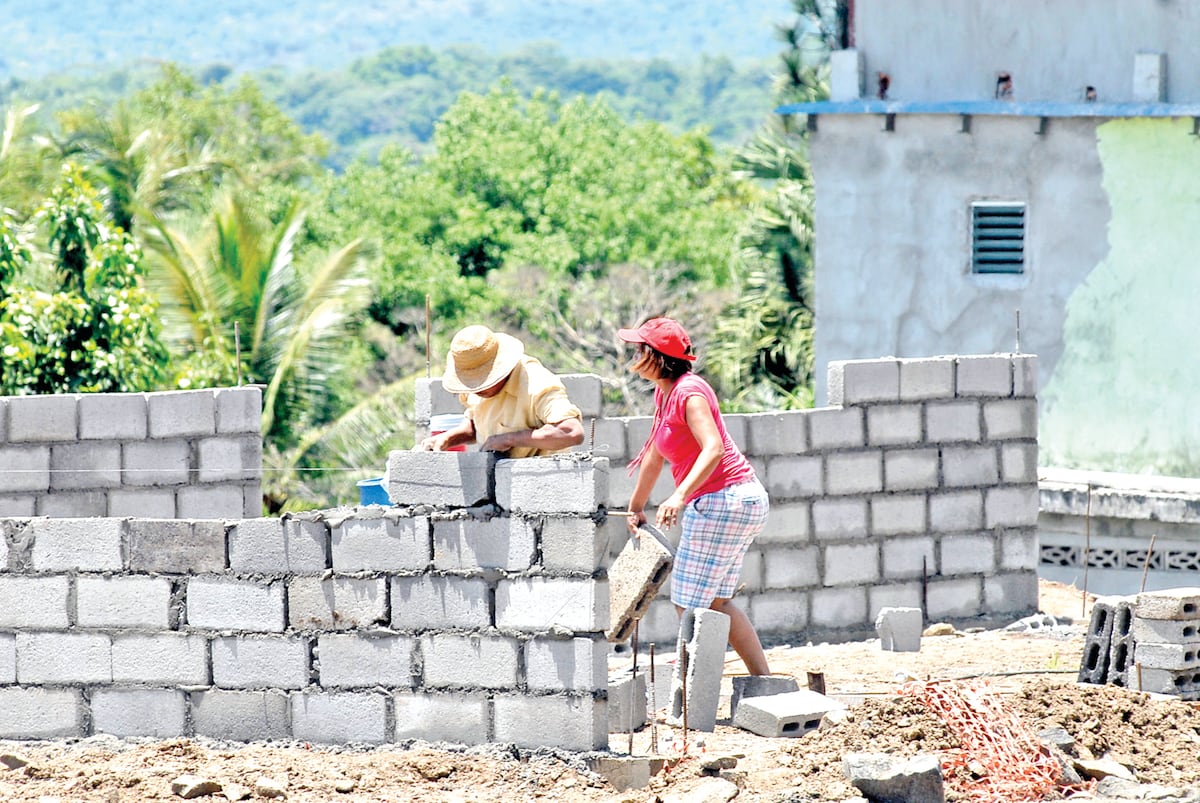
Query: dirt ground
point(1033, 671)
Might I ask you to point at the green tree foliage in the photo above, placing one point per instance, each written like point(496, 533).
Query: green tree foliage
point(95, 328)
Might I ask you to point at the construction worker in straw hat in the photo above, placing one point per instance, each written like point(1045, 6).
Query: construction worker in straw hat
point(513, 403)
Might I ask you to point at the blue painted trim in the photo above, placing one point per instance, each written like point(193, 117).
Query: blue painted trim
point(995, 107)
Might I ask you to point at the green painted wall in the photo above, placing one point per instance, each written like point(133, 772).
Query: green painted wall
point(1125, 396)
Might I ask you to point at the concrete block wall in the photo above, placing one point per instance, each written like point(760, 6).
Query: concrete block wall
point(372, 624)
point(178, 454)
point(917, 487)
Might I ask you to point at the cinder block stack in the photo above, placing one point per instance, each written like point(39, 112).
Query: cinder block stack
point(1166, 632)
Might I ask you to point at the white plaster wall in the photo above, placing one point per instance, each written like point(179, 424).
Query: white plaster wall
point(892, 267)
point(938, 50)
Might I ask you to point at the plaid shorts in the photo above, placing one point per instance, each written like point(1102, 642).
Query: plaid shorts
point(718, 528)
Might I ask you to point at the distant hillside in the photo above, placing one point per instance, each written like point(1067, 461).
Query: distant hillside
point(52, 36)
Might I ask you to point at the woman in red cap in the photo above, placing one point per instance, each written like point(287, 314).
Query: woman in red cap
point(718, 498)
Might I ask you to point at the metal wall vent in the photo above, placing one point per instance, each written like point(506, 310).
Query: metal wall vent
point(997, 238)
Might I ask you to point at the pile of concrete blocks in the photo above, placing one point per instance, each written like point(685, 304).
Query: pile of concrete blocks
point(1166, 636)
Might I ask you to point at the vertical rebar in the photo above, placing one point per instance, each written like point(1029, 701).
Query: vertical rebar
point(683, 673)
point(1146, 565)
point(1087, 550)
point(633, 687)
point(237, 349)
point(428, 338)
point(1018, 330)
point(653, 707)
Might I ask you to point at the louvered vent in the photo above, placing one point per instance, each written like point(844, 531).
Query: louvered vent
point(998, 238)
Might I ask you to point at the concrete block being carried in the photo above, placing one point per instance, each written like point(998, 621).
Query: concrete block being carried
point(635, 578)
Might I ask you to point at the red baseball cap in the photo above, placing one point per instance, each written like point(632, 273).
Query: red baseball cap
point(661, 334)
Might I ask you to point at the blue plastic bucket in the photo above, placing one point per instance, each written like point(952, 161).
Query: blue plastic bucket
point(373, 492)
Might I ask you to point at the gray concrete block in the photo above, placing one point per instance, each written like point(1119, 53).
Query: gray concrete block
point(73, 504)
point(1174, 604)
point(228, 458)
point(660, 625)
point(43, 419)
point(175, 547)
point(895, 595)
point(954, 599)
point(1183, 683)
point(898, 515)
point(60, 658)
point(784, 715)
point(747, 686)
point(211, 502)
point(1011, 593)
point(240, 662)
point(634, 579)
point(622, 772)
point(953, 422)
point(788, 523)
point(854, 473)
point(34, 603)
point(432, 399)
point(381, 544)
point(908, 557)
point(238, 409)
point(956, 511)
point(471, 543)
point(585, 392)
point(156, 462)
point(795, 477)
point(839, 518)
point(226, 604)
point(922, 379)
point(469, 661)
point(112, 416)
point(90, 545)
point(160, 713)
point(181, 413)
point(892, 424)
point(1018, 462)
point(252, 500)
point(839, 607)
point(1011, 506)
point(851, 564)
point(8, 658)
point(552, 485)
point(26, 468)
point(575, 665)
point(609, 439)
point(349, 661)
point(1121, 646)
point(778, 611)
point(151, 503)
point(241, 716)
point(572, 544)
point(274, 546)
point(41, 713)
point(336, 603)
point(123, 602)
point(538, 604)
point(910, 469)
point(14, 507)
point(566, 723)
point(443, 479)
point(752, 577)
point(1019, 550)
point(866, 381)
point(340, 718)
point(1010, 419)
point(967, 554)
point(429, 602)
point(704, 633)
point(835, 428)
point(969, 466)
point(1167, 656)
point(83, 465)
point(626, 702)
point(3, 420)
point(778, 432)
point(880, 776)
point(989, 375)
point(792, 568)
point(454, 717)
point(899, 629)
point(1166, 631)
point(161, 659)
point(1025, 375)
point(1093, 665)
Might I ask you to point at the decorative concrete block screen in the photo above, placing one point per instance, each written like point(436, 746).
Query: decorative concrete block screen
point(476, 618)
point(180, 454)
point(918, 488)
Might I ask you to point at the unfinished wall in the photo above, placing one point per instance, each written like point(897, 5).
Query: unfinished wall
point(919, 489)
point(433, 620)
point(180, 454)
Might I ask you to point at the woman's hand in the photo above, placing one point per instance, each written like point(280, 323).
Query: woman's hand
point(670, 510)
point(634, 520)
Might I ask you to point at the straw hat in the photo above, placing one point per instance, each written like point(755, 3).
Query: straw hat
point(479, 358)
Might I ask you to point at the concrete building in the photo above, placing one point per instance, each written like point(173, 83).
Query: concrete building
point(1028, 161)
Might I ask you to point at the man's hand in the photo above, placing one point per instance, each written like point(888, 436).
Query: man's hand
point(503, 441)
point(435, 443)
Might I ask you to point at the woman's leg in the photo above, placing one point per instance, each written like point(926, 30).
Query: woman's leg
point(743, 637)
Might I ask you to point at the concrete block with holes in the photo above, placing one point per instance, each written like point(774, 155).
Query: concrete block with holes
point(704, 633)
point(1120, 642)
point(1175, 604)
point(1183, 683)
point(746, 686)
point(634, 580)
point(899, 629)
point(1168, 656)
point(784, 715)
point(1165, 631)
point(1093, 666)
